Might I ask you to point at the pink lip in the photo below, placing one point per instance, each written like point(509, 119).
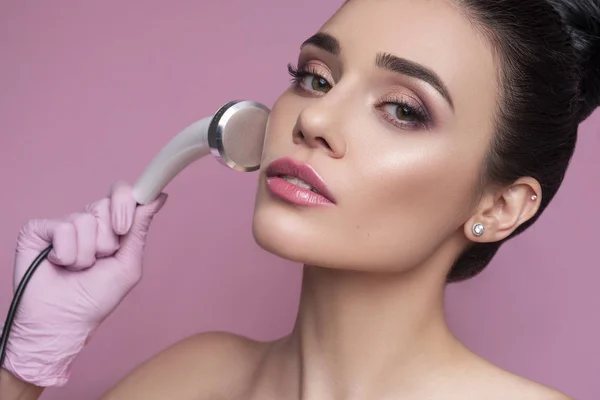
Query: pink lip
point(295, 194)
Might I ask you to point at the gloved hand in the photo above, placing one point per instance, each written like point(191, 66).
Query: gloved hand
point(96, 261)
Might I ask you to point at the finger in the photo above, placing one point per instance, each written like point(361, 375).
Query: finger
point(60, 234)
point(132, 244)
point(122, 207)
point(86, 229)
point(107, 241)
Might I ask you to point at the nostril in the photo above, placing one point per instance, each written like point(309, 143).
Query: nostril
point(323, 143)
point(313, 141)
point(299, 137)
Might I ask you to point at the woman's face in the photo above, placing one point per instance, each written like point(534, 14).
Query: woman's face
point(393, 109)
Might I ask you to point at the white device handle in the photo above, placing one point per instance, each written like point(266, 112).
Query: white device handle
point(186, 147)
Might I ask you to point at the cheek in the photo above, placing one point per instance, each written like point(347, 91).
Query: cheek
point(279, 131)
point(415, 195)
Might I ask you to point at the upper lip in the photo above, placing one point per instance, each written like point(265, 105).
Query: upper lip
point(293, 168)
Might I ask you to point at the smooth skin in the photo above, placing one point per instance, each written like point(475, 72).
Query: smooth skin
point(371, 321)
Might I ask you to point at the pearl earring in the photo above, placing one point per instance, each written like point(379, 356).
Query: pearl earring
point(534, 197)
point(478, 229)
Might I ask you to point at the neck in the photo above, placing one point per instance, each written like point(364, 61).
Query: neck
point(358, 333)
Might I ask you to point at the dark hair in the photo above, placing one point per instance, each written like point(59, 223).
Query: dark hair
point(549, 69)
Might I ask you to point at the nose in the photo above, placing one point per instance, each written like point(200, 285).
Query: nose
point(316, 128)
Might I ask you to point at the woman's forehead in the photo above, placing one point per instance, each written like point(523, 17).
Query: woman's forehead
point(424, 29)
point(433, 33)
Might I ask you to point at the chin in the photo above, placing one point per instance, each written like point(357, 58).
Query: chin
point(297, 237)
point(291, 236)
point(281, 233)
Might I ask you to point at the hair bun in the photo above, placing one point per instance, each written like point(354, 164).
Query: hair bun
point(582, 19)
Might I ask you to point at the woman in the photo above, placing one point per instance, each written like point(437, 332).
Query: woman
point(417, 137)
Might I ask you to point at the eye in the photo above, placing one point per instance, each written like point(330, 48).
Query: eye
point(309, 80)
point(316, 83)
point(403, 112)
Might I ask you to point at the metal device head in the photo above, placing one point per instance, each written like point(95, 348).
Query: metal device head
point(236, 134)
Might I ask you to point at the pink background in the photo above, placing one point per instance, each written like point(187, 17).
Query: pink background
point(91, 90)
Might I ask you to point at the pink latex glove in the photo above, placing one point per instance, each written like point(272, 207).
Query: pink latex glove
point(96, 261)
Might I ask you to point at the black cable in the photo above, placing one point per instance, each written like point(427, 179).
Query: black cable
point(17, 299)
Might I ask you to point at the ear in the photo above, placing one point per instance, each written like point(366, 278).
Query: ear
point(504, 209)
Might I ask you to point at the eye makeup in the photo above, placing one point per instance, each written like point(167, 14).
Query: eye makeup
point(398, 108)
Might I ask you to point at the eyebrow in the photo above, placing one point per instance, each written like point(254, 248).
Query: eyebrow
point(325, 42)
point(387, 62)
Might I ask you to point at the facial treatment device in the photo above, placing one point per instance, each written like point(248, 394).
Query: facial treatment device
point(234, 135)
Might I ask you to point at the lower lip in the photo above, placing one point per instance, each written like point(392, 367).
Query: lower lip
point(295, 194)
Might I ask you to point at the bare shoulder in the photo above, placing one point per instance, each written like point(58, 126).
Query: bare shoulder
point(504, 384)
point(525, 389)
point(200, 366)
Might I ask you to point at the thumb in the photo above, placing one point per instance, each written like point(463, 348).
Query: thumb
point(132, 243)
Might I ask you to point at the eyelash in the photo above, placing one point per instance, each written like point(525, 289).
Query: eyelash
point(421, 116)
